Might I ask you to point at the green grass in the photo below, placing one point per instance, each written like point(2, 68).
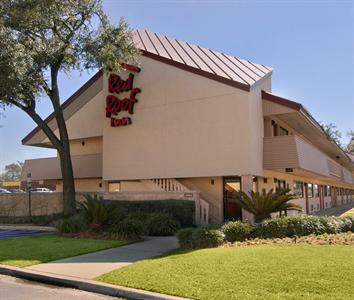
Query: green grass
point(253, 272)
point(27, 251)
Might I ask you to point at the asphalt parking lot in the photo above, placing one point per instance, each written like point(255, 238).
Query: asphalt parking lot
point(13, 233)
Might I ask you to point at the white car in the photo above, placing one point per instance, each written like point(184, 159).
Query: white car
point(4, 191)
point(41, 190)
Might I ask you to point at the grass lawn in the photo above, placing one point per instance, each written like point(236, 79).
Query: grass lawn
point(27, 251)
point(252, 272)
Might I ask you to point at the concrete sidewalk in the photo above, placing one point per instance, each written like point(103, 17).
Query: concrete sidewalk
point(91, 265)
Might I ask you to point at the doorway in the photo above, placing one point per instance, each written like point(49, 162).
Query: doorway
point(231, 185)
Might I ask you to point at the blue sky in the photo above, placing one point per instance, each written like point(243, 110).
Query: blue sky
point(310, 45)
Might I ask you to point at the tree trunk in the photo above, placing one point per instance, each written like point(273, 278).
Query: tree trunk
point(69, 201)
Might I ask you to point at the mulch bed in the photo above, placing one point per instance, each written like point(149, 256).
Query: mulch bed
point(325, 239)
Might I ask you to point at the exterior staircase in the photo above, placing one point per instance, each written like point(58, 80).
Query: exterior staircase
point(173, 185)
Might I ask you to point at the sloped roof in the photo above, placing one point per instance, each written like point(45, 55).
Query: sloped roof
point(218, 66)
point(209, 63)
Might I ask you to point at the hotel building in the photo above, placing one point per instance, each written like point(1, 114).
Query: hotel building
point(193, 119)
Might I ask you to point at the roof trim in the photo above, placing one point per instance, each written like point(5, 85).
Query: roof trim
point(200, 72)
point(65, 104)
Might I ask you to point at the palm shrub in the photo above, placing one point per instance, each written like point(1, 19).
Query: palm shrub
point(262, 205)
point(127, 229)
point(95, 211)
point(71, 224)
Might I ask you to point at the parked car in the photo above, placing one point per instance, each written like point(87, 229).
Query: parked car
point(41, 190)
point(4, 191)
point(17, 191)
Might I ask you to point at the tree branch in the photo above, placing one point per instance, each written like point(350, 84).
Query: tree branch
point(41, 124)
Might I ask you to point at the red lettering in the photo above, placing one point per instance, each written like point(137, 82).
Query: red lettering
point(120, 122)
point(117, 85)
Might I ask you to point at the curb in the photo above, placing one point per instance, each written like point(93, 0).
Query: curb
point(84, 285)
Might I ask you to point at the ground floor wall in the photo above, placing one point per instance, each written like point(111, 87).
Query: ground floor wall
point(325, 194)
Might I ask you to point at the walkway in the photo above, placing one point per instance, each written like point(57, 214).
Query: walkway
point(336, 211)
point(91, 265)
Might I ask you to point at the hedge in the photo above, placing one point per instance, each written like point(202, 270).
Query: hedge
point(180, 210)
point(302, 226)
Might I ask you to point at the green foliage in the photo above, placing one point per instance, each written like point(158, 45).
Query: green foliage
point(236, 231)
point(161, 225)
point(262, 205)
point(38, 36)
point(302, 226)
point(185, 237)
point(179, 210)
point(350, 145)
point(191, 238)
point(127, 229)
point(71, 224)
point(95, 211)
point(332, 133)
point(12, 171)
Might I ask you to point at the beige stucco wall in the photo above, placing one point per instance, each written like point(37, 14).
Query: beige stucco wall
point(85, 185)
point(91, 146)
point(212, 193)
point(184, 125)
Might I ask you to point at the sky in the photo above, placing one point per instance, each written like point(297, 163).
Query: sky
point(309, 44)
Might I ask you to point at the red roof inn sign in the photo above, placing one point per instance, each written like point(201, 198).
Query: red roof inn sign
point(114, 104)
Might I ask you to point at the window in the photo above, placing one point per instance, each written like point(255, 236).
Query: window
point(278, 130)
point(327, 191)
point(310, 190)
point(316, 190)
point(280, 184)
point(298, 189)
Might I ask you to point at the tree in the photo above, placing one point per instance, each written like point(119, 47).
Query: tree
point(350, 146)
point(12, 171)
point(333, 133)
point(261, 205)
point(39, 39)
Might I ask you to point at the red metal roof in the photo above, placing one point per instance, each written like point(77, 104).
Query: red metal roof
point(203, 61)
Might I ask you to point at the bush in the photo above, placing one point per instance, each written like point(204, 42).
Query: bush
point(207, 238)
point(127, 229)
point(348, 224)
point(301, 226)
point(185, 237)
point(180, 210)
point(72, 224)
point(190, 238)
point(236, 231)
point(161, 225)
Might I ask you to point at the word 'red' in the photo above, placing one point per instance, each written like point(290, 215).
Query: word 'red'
point(114, 105)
